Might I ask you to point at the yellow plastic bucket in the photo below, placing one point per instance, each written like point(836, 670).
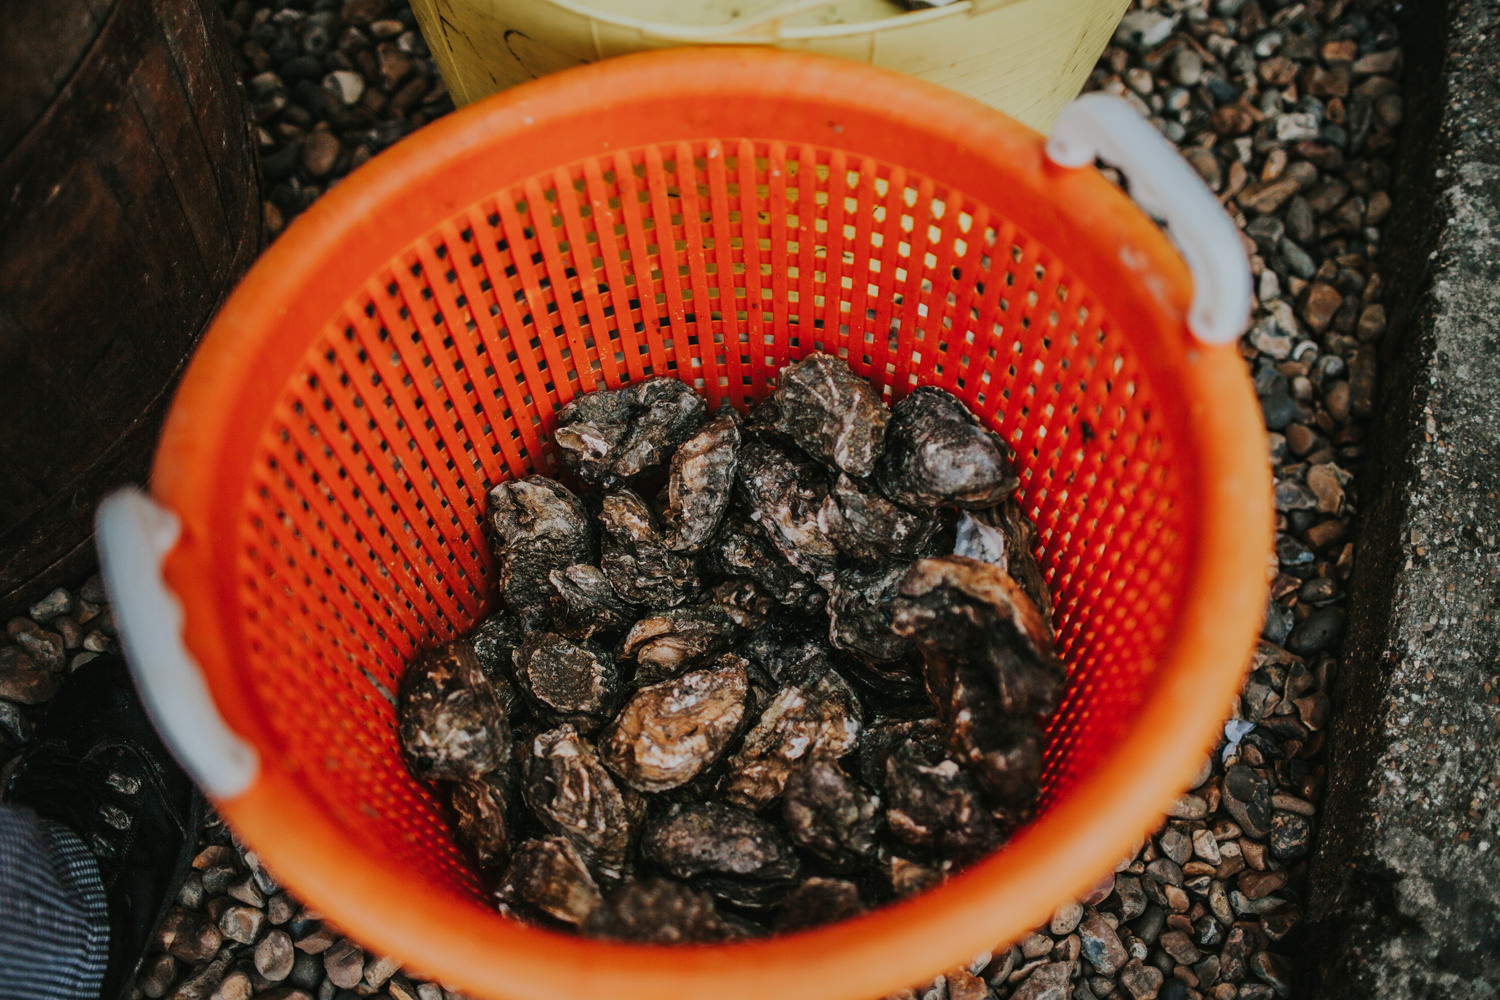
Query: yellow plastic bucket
point(1025, 57)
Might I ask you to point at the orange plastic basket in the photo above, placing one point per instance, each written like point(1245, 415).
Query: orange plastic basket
point(316, 504)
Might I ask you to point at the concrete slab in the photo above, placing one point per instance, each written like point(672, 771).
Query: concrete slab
point(1404, 898)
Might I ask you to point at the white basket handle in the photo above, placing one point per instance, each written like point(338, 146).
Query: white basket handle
point(134, 535)
point(1166, 186)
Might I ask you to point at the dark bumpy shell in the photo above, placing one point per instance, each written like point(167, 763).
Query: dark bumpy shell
point(831, 814)
point(590, 603)
point(669, 733)
point(818, 716)
point(701, 482)
point(482, 810)
point(549, 876)
point(612, 436)
point(932, 803)
point(449, 720)
point(1002, 535)
point(782, 494)
point(666, 644)
point(831, 413)
point(635, 557)
point(990, 668)
point(740, 549)
point(573, 795)
point(936, 454)
point(818, 901)
point(539, 526)
point(659, 911)
point(568, 680)
point(867, 527)
point(731, 852)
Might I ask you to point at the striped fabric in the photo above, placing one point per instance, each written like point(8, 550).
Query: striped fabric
point(54, 926)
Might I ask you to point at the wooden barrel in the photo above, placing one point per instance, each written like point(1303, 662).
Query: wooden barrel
point(129, 205)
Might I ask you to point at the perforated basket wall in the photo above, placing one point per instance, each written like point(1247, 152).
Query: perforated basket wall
point(409, 342)
point(718, 263)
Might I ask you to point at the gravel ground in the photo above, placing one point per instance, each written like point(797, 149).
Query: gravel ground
point(1288, 110)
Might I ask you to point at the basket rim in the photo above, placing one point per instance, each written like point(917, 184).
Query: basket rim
point(1002, 897)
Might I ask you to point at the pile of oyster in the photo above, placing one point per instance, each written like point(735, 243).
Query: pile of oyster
point(750, 674)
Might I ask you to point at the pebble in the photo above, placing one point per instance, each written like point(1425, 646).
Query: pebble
point(274, 956)
point(1279, 410)
point(962, 985)
point(281, 908)
point(1247, 797)
point(236, 986)
point(344, 963)
point(1101, 944)
point(188, 935)
point(157, 975)
point(204, 980)
point(1066, 919)
point(1291, 836)
point(54, 605)
point(1141, 982)
point(320, 152)
point(22, 681)
point(1319, 305)
point(44, 647)
point(1267, 337)
point(347, 84)
point(1035, 945)
point(1048, 981)
point(307, 971)
point(1274, 970)
point(1186, 67)
point(1143, 30)
point(243, 924)
point(1317, 631)
point(1267, 196)
point(379, 972)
